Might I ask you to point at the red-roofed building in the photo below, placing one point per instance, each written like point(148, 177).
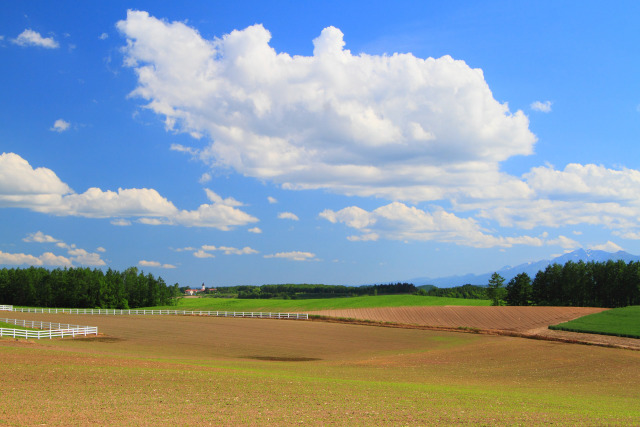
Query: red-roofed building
point(202, 290)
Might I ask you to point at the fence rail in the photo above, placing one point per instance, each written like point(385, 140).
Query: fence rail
point(115, 312)
point(6, 308)
point(47, 329)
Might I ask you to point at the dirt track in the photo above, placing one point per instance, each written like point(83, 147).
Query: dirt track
point(522, 321)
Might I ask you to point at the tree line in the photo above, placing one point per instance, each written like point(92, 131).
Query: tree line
point(304, 291)
point(84, 288)
point(579, 284)
point(465, 291)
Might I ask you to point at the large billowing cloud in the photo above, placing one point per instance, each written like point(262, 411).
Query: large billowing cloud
point(41, 190)
point(397, 126)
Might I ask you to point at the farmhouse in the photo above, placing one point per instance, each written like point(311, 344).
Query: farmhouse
point(202, 290)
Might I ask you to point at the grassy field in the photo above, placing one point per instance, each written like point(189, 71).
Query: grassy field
point(192, 370)
point(622, 322)
point(273, 305)
point(12, 326)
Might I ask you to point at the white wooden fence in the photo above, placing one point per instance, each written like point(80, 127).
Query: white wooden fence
point(114, 312)
point(6, 308)
point(48, 329)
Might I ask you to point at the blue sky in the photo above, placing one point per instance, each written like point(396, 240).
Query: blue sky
point(334, 142)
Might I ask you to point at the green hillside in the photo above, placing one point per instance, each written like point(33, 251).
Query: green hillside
point(273, 305)
point(622, 322)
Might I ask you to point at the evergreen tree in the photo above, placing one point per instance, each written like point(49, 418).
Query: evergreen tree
point(495, 290)
point(519, 290)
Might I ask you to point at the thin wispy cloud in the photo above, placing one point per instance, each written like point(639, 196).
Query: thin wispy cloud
point(294, 256)
point(543, 107)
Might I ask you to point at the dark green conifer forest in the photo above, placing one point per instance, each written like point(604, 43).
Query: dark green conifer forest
point(84, 288)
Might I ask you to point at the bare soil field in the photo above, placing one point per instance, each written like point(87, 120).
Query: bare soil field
point(229, 338)
point(190, 370)
point(520, 319)
point(515, 321)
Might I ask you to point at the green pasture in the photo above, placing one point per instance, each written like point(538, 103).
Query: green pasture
point(622, 322)
point(281, 305)
point(12, 326)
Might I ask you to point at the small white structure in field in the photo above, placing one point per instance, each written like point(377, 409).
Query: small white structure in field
point(196, 291)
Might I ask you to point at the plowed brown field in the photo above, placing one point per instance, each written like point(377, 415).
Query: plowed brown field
point(530, 322)
point(191, 370)
point(519, 319)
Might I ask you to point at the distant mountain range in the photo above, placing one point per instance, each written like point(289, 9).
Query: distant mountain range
point(531, 268)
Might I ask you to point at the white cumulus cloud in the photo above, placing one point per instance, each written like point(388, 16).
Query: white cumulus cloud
point(83, 257)
point(578, 194)
point(18, 179)
point(60, 125)
point(48, 259)
point(156, 264)
point(564, 242)
point(220, 216)
point(41, 190)
point(202, 254)
point(586, 182)
point(40, 237)
point(205, 251)
point(32, 38)
point(229, 201)
point(288, 215)
point(397, 221)
point(395, 126)
point(607, 247)
point(77, 256)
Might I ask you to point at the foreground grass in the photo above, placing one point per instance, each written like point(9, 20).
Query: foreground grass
point(622, 322)
point(273, 305)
